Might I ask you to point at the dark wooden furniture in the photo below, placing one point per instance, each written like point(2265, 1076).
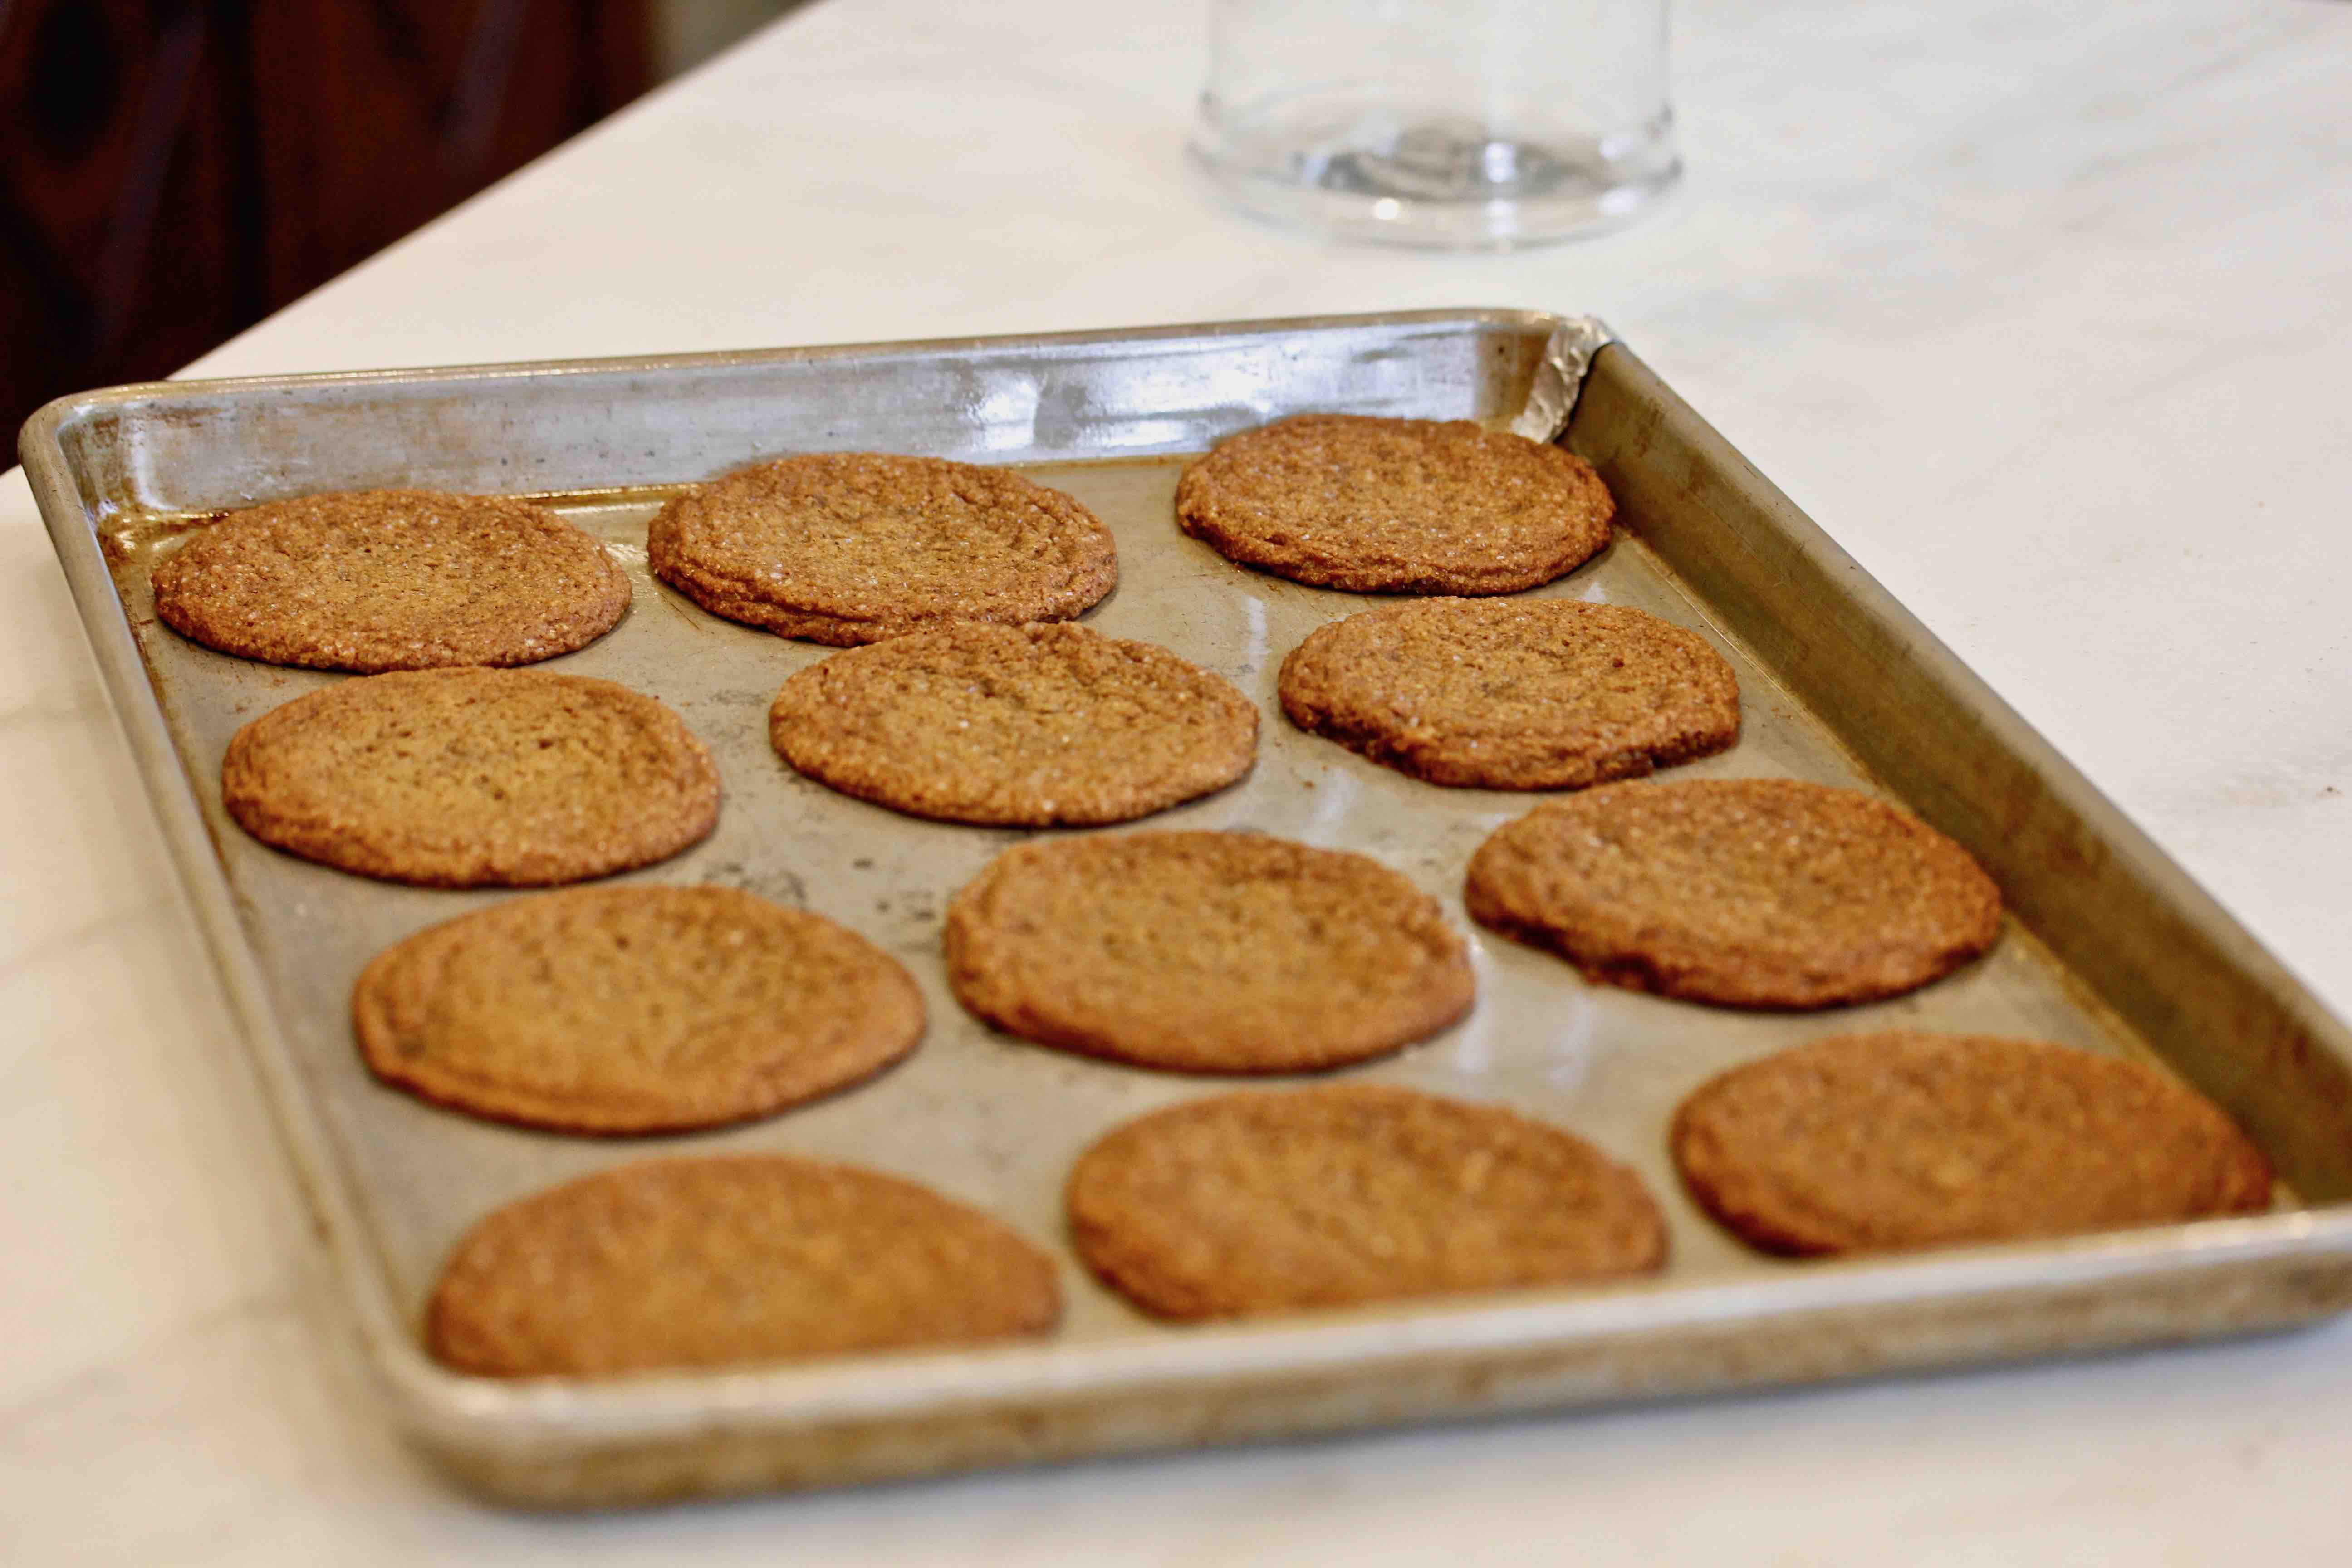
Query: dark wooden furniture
point(173, 170)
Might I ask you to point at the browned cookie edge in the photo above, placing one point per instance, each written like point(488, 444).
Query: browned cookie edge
point(798, 728)
point(180, 605)
point(1745, 1201)
point(1312, 698)
point(1732, 974)
point(892, 1029)
point(1093, 576)
point(1021, 1297)
point(986, 981)
point(1199, 503)
point(245, 795)
point(1126, 1257)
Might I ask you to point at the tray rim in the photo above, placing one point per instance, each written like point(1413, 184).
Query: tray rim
point(443, 1407)
point(38, 433)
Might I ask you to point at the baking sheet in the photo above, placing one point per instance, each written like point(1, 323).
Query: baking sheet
point(996, 1122)
point(965, 1114)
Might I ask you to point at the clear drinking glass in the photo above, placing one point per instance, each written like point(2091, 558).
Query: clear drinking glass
point(1467, 123)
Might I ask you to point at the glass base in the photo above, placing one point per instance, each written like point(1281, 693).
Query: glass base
point(1444, 184)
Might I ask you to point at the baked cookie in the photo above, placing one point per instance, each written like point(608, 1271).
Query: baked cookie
point(633, 1009)
point(1869, 1142)
point(377, 580)
point(468, 778)
point(676, 1265)
point(1246, 1204)
point(1513, 693)
point(1036, 726)
point(1747, 892)
point(1396, 506)
point(853, 547)
point(1205, 952)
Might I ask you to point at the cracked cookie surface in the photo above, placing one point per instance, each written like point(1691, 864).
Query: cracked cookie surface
point(1033, 726)
point(853, 547)
point(1513, 693)
point(378, 579)
point(1396, 506)
point(466, 778)
point(1257, 1203)
point(634, 1009)
point(1223, 952)
point(1905, 1139)
point(1744, 892)
point(733, 1260)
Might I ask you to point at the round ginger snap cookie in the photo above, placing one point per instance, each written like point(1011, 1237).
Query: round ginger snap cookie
point(1223, 952)
point(637, 1010)
point(1513, 693)
point(1332, 1196)
point(735, 1260)
point(1744, 892)
point(1034, 726)
point(1873, 1142)
point(1396, 506)
point(853, 547)
point(468, 778)
point(378, 579)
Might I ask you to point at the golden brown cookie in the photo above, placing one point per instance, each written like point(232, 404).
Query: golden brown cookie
point(1513, 693)
point(1868, 1142)
point(376, 580)
point(634, 1009)
point(1747, 892)
point(1396, 506)
point(468, 778)
point(674, 1265)
point(1246, 1204)
point(1036, 726)
point(1205, 952)
point(853, 547)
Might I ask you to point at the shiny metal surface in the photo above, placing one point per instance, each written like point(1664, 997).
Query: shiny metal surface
point(2116, 950)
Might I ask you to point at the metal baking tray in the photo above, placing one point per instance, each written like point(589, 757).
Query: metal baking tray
point(2108, 946)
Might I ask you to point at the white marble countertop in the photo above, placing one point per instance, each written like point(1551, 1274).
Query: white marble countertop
point(2043, 310)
